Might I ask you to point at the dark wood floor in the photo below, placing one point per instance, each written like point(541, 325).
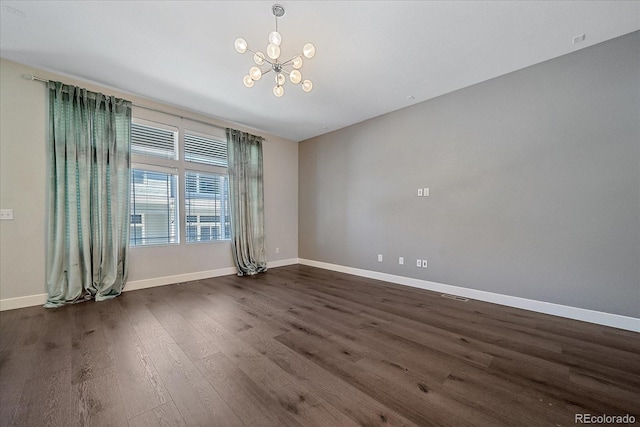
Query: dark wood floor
point(301, 346)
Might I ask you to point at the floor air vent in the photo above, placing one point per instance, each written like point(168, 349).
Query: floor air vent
point(455, 297)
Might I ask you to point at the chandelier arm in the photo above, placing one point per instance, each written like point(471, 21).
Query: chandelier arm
point(264, 59)
point(287, 62)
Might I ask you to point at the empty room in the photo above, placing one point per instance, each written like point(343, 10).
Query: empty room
point(319, 213)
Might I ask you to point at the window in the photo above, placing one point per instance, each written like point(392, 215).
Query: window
point(157, 215)
point(154, 208)
point(206, 206)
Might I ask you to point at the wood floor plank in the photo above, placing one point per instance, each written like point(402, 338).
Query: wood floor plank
point(390, 327)
point(305, 346)
point(242, 395)
point(335, 316)
point(229, 314)
point(516, 405)
point(624, 398)
point(192, 342)
point(16, 364)
point(392, 394)
point(357, 405)
point(471, 326)
point(21, 328)
point(140, 384)
point(98, 402)
point(46, 400)
point(295, 398)
point(91, 355)
point(166, 415)
point(356, 345)
point(14, 367)
point(194, 397)
point(147, 328)
point(52, 351)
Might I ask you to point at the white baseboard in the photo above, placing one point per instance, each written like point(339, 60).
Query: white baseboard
point(178, 278)
point(591, 316)
point(282, 263)
point(199, 275)
point(22, 302)
point(40, 299)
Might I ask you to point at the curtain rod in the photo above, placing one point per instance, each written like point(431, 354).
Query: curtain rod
point(40, 79)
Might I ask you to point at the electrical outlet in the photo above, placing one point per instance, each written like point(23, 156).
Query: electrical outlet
point(419, 263)
point(401, 260)
point(425, 192)
point(379, 258)
point(424, 263)
point(277, 250)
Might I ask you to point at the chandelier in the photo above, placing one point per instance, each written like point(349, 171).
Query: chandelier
point(272, 62)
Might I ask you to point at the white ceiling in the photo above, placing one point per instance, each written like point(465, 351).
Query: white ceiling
point(371, 55)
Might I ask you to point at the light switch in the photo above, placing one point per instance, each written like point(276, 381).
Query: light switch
point(419, 263)
point(419, 192)
point(425, 192)
point(6, 213)
point(401, 260)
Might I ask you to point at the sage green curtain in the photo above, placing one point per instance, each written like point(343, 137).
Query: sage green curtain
point(88, 218)
point(246, 196)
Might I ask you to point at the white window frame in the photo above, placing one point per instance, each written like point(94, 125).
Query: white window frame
point(178, 166)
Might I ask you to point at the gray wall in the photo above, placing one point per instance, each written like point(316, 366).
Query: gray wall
point(23, 142)
point(534, 179)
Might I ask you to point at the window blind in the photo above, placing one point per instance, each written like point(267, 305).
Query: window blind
point(153, 141)
point(201, 149)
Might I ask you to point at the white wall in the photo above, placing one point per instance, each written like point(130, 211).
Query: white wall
point(23, 180)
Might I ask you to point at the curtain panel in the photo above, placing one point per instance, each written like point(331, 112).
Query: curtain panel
point(246, 196)
point(89, 179)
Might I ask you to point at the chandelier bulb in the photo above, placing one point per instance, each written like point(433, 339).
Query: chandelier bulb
point(295, 76)
point(296, 62)
point(280, 79)
point(275, 38)
point(241, 45)
point(273, 51)
point(248, 81)
point(255, 73)
point(307, 85)
point(308, 50)
point(278, 91)
point(258, 58)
